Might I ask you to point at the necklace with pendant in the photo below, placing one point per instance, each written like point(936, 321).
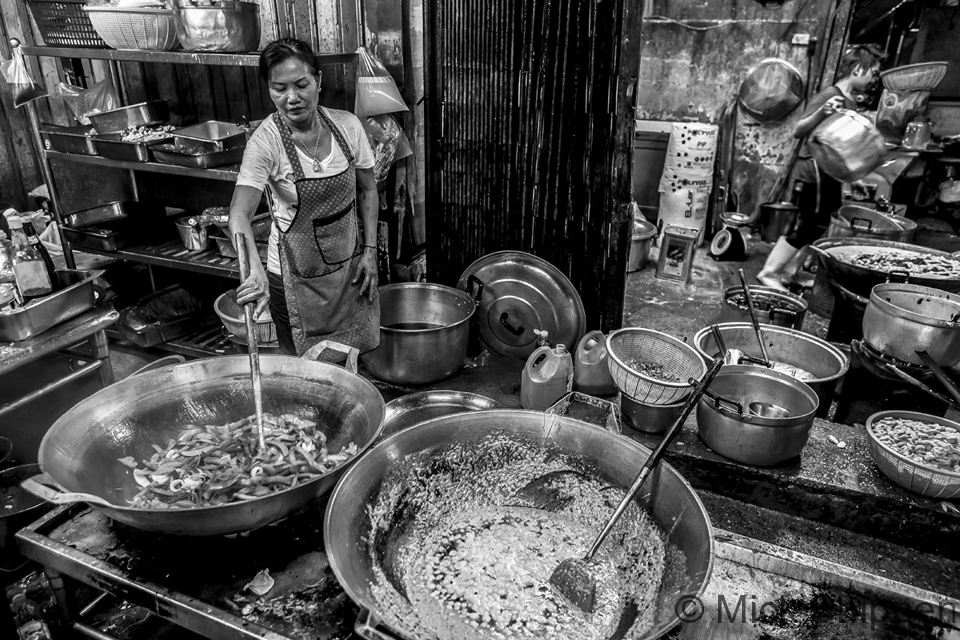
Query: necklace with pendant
point(316, 160)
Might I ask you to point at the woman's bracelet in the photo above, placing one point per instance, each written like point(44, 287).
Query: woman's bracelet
point(369, 246)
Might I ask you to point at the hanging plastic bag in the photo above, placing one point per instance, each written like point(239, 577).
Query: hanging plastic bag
point(23, 88)
point(388, 142)
point(84, 103)
point(377, 93)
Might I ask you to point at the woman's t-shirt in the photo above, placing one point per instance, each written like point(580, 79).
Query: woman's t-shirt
point(265, 163)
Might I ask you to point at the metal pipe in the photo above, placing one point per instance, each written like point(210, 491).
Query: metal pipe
point(53, 386)
point(45, 168)
point(90, 632)
point(94, 604)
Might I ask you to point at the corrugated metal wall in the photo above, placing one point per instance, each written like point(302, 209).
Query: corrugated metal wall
point(529, 135)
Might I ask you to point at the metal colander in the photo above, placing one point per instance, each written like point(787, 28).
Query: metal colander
point(911, 475)
point(231, 315)
point(677, 359)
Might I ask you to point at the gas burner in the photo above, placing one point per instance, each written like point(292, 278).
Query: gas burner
point(863, 349)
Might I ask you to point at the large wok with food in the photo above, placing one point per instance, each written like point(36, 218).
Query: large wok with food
point(858, 264)
point(369, 547)
point(80, 453)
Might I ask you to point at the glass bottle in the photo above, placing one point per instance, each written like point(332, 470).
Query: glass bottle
point(29, 619)
point(35, 242)
point(31, 272)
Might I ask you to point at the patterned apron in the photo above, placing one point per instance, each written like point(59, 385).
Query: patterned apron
point(320, 253)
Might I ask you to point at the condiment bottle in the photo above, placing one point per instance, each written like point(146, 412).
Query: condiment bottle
point(32, 276)
point(547, 377)
point(591, 375)
point(29, 619)
point(31, 231)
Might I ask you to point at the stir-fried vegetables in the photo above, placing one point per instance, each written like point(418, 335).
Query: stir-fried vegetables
point(212, 465)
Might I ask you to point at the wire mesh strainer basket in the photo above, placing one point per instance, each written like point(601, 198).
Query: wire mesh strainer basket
point(672, 358)
point(135, 28)
point(909, 474)
point(231, 314)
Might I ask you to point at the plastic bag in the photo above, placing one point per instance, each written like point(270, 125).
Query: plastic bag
point(690, 156)
point(84, 103)
point(897, 110)
point(377, 93)
point(23, 88)
point(388, 142)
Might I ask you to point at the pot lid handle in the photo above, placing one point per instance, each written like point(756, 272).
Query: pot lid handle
point(724, 404)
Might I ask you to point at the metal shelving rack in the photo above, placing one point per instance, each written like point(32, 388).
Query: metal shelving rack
point(169, 254)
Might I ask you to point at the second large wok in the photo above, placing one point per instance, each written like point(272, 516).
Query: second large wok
point(835, 253)
point(80, 452)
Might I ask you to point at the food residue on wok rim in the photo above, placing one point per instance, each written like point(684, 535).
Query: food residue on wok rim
point(219, 464)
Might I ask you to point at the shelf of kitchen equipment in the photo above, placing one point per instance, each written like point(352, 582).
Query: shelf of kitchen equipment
point(174, 255)
point(174, 57)
point(203, 343)
point(227, 173)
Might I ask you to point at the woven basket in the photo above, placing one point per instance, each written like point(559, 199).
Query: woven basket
point(677, 358)
point(923, 76)
point(231, 315)
point(63, 23)
point(135, 28)
point(913, 476)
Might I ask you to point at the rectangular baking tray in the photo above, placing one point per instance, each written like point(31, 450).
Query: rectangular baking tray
point(76, 296)
point(209, 137)
point(135, 115)
point(168, 154)
point(110, 226)
point(111, 146)
point(68, 139)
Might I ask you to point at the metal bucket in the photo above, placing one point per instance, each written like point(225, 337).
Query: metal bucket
point(775, 307)
point(424, 331)
point(777, 219)
point(673, 504)
point(854, 221)
point(649, 418)
point(795, 348)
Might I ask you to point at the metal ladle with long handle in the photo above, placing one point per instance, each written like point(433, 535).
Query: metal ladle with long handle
point(574, 578)
point(753, 315)
point(240, 241)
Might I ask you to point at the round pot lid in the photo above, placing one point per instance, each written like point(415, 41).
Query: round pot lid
point(517, 293)
point(773, 88)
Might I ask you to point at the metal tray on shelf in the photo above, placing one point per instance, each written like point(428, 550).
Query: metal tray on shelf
point(110, 226)
point(111, 146)
point(68, 139)
point(168, 154)
point(76, 296)
point(208, 137)
point(136, 115)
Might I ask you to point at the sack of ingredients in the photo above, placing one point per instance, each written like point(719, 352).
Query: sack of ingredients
point(22, 86)
point(377, 93)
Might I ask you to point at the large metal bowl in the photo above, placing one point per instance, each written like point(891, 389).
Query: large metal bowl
point(732, 424)
point(224, 26)
point(81, 449)
point(674, 505)
point(827, 363)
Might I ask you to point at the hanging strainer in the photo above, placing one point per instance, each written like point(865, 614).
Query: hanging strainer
point(638, 359)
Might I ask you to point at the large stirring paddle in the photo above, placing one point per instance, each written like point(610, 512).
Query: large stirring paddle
point(753, 315)
point(573, 577)
point(240, 241)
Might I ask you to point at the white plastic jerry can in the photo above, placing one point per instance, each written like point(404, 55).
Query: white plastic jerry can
point(591, 373)
point(547, 377)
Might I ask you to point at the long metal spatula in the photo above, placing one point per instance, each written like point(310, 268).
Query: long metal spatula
point(753, 315)
point(240, 241)
point(575, 578)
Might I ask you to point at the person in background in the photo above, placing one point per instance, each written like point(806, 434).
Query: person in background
point(321, 277)
point(819, 194)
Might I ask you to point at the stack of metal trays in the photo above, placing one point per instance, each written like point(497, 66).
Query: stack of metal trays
point(110, 126)
point(69, 139)
point(110, 226)
point(205, 145)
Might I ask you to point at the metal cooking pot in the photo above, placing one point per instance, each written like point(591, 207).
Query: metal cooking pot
point(836, 255)
point(731, 424)
point(902, 319)
point(424, 331)
point(853, 221)
point(25, 508)
point(847, 146)
point(780, 308)
point(649, 418)
point(223, 26)
point(821, 359)
point(81, 449)
point(777, 219)
point(672, 502)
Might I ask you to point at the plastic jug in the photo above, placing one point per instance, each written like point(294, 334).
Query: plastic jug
point(591, 375)
point(547, 377)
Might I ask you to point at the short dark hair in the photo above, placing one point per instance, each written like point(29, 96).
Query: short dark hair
point(279, 51)
point(859, 55)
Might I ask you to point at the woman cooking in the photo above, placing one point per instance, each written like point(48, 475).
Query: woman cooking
point(321, 276)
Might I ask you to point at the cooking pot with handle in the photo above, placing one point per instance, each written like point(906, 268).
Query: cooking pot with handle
point(847, 146)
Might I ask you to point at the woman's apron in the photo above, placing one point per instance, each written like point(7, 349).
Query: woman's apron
point(320, 253)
